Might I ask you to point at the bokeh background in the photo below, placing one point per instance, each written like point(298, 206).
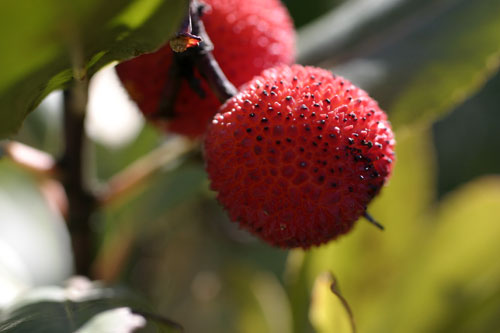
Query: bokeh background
point(433, 65)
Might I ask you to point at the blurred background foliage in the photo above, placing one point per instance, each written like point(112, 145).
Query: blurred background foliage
point(433, 65)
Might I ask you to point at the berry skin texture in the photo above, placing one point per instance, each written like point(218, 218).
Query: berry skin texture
point(248, 37)
point(297, 155)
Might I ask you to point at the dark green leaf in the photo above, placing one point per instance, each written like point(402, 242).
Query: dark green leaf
point(56, 309)
point(45, 43)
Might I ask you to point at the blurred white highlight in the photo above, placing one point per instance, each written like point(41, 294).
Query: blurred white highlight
point(113, 119)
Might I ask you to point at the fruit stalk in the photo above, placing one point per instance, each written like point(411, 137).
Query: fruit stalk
point(193, 48)
point(205, 60)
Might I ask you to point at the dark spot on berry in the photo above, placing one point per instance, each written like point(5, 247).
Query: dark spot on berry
point(332, 170)
point(321, 179)
point(361, 177)
point(314, 144)
point(355, 134)
point(332, 136)
point(316, 105)
point(350, 189)
point(273, 93)
point(274, 87)
point(351, 141)
point(264, 120)
point(313, 114)
point(301, 149)
point(288, 140)
point(288, 98)
point(252, 115)
point(295, 78)
point(302, 164)
point(278, 142)
point(320, 137)
point(302, 115)
point(259, 138)
point(249, 130)
point(304, 107)
point(266, 128)
point(264, 92)
point(328, 100)
point(320, 128)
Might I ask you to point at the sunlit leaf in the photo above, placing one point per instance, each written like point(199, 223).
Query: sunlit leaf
point(45, 43)
point(456, 274)
point(330, 311)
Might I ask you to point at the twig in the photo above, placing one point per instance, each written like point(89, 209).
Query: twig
point(29, 158)
point(205, 61)
point(144, 168)
point(81, 202)
point(193, 49)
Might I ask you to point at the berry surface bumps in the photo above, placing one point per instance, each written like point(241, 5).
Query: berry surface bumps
point(248, 37)
point(298, 154)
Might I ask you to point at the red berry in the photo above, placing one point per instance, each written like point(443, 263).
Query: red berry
point(297, 155)
point(248, 35)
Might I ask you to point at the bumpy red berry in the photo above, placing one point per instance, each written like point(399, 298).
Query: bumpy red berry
point(248, 35)
point(297, 155)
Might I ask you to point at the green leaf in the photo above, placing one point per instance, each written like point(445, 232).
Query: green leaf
point(453, 281)
point(421, 65)
point(329, 310)
point(56, 309)
point(462, 55)
point(45, 42)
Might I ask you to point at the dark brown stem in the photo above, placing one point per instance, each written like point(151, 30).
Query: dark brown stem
point(193, 49)
point(205, 61)
point(81, 202)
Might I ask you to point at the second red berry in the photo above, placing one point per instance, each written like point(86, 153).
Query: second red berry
point(248, 35)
